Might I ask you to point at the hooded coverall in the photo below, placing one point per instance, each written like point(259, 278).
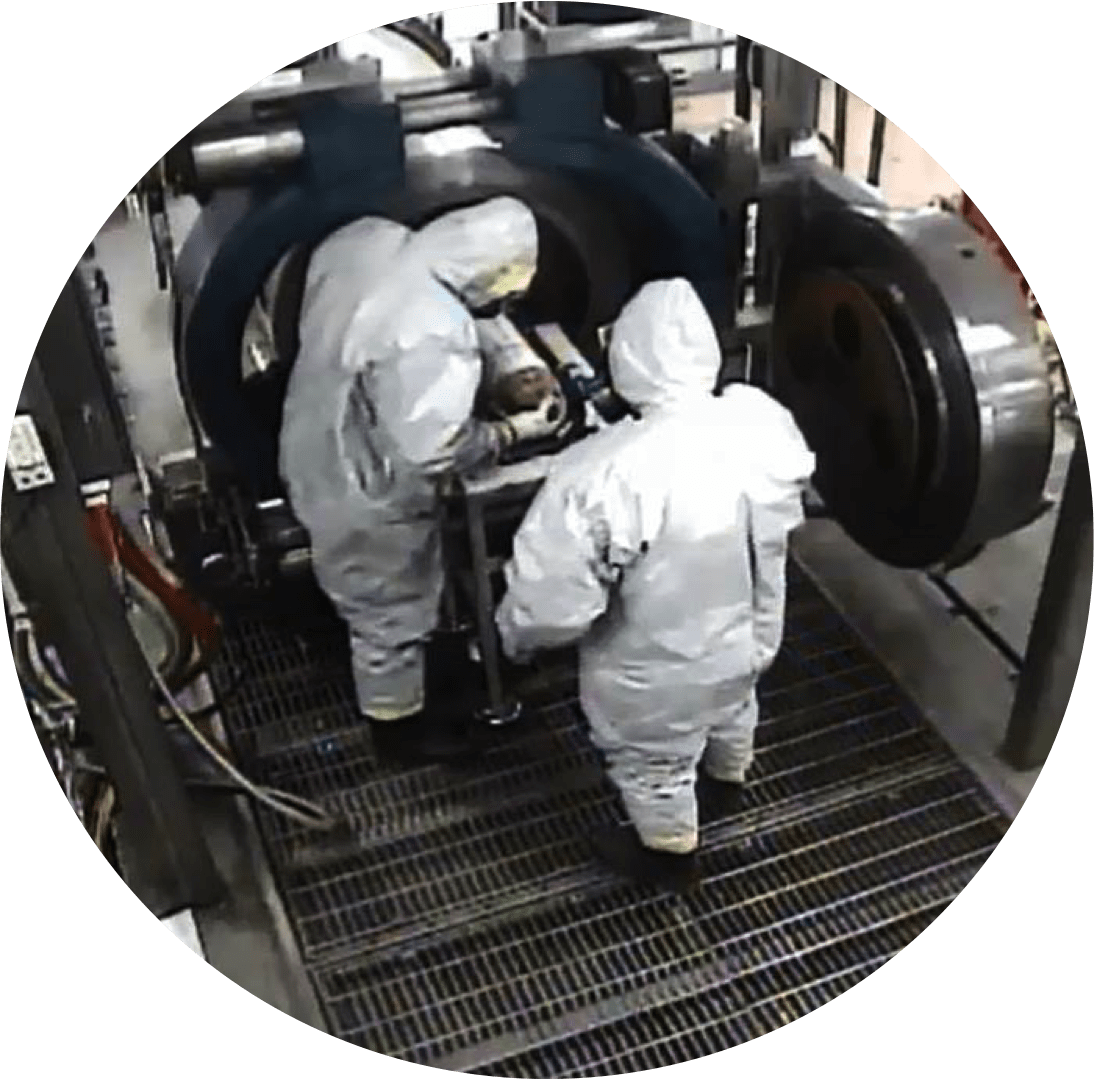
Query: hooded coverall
point(379, 409)
point(661, 544)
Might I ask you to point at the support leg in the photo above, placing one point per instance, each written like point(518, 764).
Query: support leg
point(498, 710)
point(1059, 625)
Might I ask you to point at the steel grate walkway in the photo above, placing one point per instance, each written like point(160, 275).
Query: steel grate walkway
point(467, 928)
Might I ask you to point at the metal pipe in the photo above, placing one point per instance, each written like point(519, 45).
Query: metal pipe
point(686, 45)
point(456, 79)
point(532, 21)
point(449, 110)
point(236, 158)
point(877, 148)
point(839, 133)
point(568, 39)
point(1059, 625)
point(450, 99)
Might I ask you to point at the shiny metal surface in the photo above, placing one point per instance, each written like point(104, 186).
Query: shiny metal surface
point(240, 157)
point(449, 110)
point(1008, 369)
point(455, 79)
point(564, 40)
point(932, 415)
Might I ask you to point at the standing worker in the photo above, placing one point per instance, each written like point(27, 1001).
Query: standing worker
point(379, 412)
point(661, 543)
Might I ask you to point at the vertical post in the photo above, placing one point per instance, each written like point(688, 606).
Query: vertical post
point(742, 80)
point(508, 16)
point(1059, 625)
point(877, 149)
point(839, 133)
point(789, 91)
point(484, 605)
point(72, 597)
point(450, 615)
point(72, 364)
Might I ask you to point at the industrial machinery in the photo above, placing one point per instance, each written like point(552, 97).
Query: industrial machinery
point(896, 337)
point(902, 346)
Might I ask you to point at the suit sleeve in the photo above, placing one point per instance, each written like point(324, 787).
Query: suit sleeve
point(569, 554)
point(423, 400)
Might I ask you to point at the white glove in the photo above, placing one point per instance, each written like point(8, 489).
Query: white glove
point(539, 423)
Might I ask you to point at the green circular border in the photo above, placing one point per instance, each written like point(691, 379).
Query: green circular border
point(95, 93)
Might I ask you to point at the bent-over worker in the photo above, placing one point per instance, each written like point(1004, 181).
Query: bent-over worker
point(379, 412)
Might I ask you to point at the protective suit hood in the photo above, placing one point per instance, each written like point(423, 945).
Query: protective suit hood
point(482, 253)
point(663, 348)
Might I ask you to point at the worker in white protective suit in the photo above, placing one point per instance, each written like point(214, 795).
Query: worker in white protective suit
point(379, 412)
point(661, 544)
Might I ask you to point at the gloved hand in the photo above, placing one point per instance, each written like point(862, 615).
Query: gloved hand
point(540, 423)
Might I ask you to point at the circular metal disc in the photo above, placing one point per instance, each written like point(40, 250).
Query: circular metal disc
point(843, 375)
point(899, 399)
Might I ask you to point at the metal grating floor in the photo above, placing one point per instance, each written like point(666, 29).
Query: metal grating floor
point(468, 928)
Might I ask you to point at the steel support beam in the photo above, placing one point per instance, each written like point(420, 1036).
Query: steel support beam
point(74, 601)
point(1059, 626)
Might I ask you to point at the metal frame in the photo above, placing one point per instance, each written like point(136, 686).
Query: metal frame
point(1059, 625)
point(73, 597)
point(74, 367)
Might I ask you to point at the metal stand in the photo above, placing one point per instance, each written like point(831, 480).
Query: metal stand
point(508, 486)
point(484, 603)
point(788, 103)
point(1059, 625)
point(71, 595)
